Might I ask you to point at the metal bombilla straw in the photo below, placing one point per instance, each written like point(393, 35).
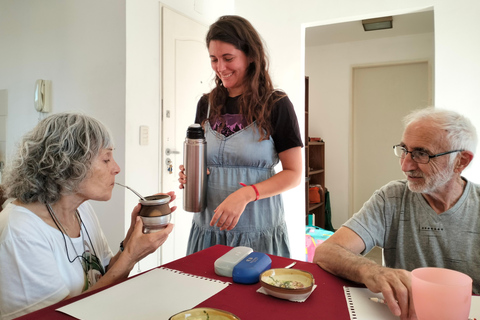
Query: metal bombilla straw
point(138, 194)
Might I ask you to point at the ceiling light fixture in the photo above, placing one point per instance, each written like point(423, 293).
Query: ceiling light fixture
point(377, 24)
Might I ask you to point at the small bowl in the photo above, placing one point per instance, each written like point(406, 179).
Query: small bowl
point(289, 284)
point(153, 224)
point(204, 314)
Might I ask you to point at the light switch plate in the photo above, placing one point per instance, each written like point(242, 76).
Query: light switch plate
point(143, 135)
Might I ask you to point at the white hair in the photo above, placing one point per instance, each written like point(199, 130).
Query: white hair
point(460, 132)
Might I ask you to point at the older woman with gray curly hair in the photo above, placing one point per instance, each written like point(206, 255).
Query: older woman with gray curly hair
point(51, 243)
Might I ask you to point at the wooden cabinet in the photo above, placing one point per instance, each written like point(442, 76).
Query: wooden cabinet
point(314, 172)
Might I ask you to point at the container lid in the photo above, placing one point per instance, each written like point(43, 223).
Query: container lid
point(195, 131)
point(155, 200)
point(225, 264)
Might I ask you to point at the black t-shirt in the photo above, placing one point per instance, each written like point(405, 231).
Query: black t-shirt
point(286, 133)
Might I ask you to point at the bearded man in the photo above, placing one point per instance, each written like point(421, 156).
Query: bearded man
point(431, 219)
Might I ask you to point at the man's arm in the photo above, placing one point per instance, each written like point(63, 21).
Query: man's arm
point(340, 255)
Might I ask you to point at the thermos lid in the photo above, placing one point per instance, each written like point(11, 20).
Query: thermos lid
point(195, 131)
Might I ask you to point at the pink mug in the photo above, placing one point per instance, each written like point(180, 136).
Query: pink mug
point(441, 294)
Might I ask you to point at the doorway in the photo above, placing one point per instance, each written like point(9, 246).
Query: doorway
point(331, 53)
point(186, 76)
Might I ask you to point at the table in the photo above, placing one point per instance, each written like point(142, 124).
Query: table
point(327, 301)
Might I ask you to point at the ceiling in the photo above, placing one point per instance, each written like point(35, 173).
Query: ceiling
point(405, 24)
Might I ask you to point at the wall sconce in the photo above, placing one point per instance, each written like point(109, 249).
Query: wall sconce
point(377, 24)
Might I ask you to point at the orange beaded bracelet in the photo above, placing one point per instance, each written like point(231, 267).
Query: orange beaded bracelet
point(254, 188)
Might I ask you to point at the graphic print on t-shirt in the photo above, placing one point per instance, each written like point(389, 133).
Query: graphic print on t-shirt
point(92, 267)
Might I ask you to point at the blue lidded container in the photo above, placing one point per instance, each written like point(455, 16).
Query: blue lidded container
point(249, 269)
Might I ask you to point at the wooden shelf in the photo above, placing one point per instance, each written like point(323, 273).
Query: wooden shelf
point(313, 206)
point(312, 172)
point(314, 159)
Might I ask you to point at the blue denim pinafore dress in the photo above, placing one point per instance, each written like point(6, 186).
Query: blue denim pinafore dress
point(241, 157)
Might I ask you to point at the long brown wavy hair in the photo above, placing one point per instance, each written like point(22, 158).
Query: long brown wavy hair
point(258, 98)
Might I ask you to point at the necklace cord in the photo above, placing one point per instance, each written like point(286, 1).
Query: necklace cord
point(62, 231)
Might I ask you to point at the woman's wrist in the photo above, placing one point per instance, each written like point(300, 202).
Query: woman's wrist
point(257, 194)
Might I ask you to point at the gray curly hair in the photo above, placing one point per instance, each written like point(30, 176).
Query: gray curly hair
point(55, 157)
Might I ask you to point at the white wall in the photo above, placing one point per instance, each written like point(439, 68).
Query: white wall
point(457, 52)
point(457, 67)
point(330, 70)
point(80, 47)
point(3, 128)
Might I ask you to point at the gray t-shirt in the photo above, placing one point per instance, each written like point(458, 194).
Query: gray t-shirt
point(413, 235)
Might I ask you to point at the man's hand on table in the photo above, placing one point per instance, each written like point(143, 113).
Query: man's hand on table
point(340, 255)
point(395, 285)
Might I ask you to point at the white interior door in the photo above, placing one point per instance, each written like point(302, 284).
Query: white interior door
point(186, 76)
point(382, 96)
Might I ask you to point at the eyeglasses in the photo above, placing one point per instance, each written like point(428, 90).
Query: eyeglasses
point(417, 155)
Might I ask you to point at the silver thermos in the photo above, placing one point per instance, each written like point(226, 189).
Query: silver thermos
point(195, 162)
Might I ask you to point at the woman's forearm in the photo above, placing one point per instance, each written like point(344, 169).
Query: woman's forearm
point(279, 183)
point(288, 178)
point(118, 269)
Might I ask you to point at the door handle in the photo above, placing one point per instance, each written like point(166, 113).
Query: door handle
point(169, 152)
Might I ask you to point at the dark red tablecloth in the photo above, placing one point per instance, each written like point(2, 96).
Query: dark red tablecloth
point(326, 302)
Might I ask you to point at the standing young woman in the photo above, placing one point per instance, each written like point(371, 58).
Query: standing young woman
point(249, 127)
